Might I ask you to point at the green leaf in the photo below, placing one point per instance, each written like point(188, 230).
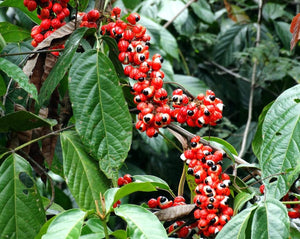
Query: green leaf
point(20, 5)
point(228, 43)
point(119, 234)
point(140, 222)
point(280, 151)
point(161, 36)
point(13, 33)
point(283, 32)
point(21, 121)
point(19, 47)
point(2, 42)
point(66, 225)
point(102, 117)
point(240, 200)
point(22, 213)
point(95, 229)
point(142, 183)
point(113, 55)
point(62, 65)
point(227, 147)
point(168, 9)
point(19, 76)
point(236, 227)
point(193, 84)
point(82, 4)
point(257, 141)
point(270, 220)
point(272, 11)
point(54, 208)
point(2, 86)
point(202, 9)
point(81, 171)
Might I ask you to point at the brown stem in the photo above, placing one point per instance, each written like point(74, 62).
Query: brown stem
point(30, 52)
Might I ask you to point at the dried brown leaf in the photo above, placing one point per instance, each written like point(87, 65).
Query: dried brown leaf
point(295, 30)
point(175, 213)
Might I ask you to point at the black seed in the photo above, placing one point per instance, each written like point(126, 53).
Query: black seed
point(147, 43)
point(164, 119)
point(212, 221)
point(137, 18)
point(163, 199)
point(219, 121)
point(139, 49)
point(210, 206)
point(193, 144)
point(190, 171)
point(206, 112)
point(174, 98)
point(203, 160)
point(146, 118)
point(190, 112)
point(210, 163)
point(197, 175)
point(161, 59)
point(222, 185)
point(158, 122)
point(208, 190)
point(210, 195)
point(163, 97)
point(142, 57)
point(141, 79)
point(214, 168)
point(145, 92)
point(131, 89)
point(155, 135)
point(138, 99)
point(198, 202)
point(212, 97)
point(211, 200)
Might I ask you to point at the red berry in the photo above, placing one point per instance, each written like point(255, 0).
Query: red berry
point(121, 181)
point(39, 38)
point(133, 18)
point(93, 15)
point(55, 23)
point(45, 24)
point(34, 43)
point(152, 203)
point(262, 189)
point(31, 5)
point(57, 8)
point(128, 178)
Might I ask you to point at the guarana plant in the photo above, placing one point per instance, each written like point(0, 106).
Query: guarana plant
point(93, 84)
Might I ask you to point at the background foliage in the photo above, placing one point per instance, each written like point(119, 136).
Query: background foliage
point(211, 44)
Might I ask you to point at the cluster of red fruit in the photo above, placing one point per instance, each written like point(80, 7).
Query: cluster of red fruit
point(151, 98)
point(212, 191)
point(162, 203)
point(52, 13)
point(90, 19)
point(293, 209)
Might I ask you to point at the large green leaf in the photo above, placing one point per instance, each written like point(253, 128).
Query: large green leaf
point(236, 227)
point(102, 117)
point(142, 183)
point(271, 11)
point(21, 208)
point(202, 9)
point(13, 33)
point(170, 8)
point(21, 121)
point(240, 200)
point(270, 220)
point(257, 141)
point(66, 225)
point(193, 84)
point(141, 223)
point(280, 150)
point(228, 44)
point(20, 5)
point(19, 76)
point(19, 47)
point(81, 172)
point(62, 65)
point(283, 32)
point(161, 36)
point(113, 55)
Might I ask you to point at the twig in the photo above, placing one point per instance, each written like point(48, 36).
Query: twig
point(185, 66)
point(230, 72)
point(6, 93)
point(253, 80)
point(189, 136)
point(181, 87)
point(181, 182)
point(30, 52)
point(171, 142)
point(35, 140)
point(181, 10)
point(47, 175)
